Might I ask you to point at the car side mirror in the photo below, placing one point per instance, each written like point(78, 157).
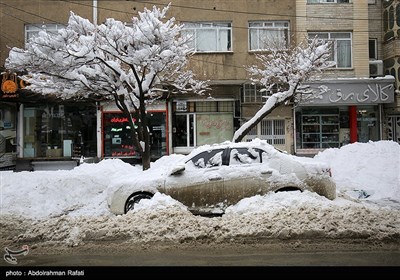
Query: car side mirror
point(178, 169)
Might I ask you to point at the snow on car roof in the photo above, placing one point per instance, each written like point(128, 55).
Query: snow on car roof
point(255, 143)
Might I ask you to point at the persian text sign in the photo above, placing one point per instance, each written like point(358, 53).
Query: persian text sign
point(368, 92)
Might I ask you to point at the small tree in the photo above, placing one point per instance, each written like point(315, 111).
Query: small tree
point(283, 72)
point(134, 65)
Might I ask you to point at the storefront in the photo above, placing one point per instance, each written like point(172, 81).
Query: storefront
point(59, 130)
point(116, 133)
point(340, 112)
point(8, 135)
point(37, 130)
point(200, 122)
point(9, 96)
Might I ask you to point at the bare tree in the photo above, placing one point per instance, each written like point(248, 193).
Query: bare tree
point(132, 64)
point(281, 73)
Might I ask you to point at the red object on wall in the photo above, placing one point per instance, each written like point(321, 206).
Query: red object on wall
point(353, 123)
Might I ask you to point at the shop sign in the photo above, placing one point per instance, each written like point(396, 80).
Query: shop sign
point(10, 85)
point(368, 92)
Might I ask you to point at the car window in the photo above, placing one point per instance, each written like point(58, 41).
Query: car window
point(244, 156)
point(208, 158)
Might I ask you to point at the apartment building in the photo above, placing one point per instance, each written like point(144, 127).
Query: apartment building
point(227, 35)
point(389, 53)
point(354, 94)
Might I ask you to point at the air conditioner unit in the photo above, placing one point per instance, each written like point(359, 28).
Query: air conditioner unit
point(375, 68)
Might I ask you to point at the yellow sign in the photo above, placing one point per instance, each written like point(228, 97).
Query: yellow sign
point(9, 83)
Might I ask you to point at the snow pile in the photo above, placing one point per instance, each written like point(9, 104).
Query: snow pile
point(366, 170)
point(289, 215)
point(69, 207)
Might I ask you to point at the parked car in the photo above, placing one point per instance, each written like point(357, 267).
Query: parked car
point(213, 177)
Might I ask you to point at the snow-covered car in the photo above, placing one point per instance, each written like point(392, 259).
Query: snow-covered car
point(213, 177)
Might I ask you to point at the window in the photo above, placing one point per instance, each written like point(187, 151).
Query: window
point(267, 35)
point(245, 156)
point(252, 93)
point(341, 46)
point(59, 130)
point(117, 139)
point(203, 122)
point(209, 36)
point(319, 128)
point(32, 30)
point(372, 45)
point(272, 130)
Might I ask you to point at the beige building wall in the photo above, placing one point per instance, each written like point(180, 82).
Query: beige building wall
point(375, 25)
point(348, 17)
point(215, 66)
point(16, 14)
point(225, 70)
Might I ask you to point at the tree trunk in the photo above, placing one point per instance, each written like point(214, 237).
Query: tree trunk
point(254, 121)
point(146, 159)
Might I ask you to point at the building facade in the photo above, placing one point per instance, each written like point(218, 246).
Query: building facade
point(358, 103)
point(390, 54)
point(353, 95)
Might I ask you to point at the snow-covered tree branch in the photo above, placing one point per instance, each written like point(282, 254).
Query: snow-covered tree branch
point(281, 73)
point(130, 64)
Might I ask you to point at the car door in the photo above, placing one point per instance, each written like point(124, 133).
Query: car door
point(200, 184)
point(248, 176)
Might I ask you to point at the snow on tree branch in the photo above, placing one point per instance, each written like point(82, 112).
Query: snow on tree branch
point(129, 63)
point(282, 72)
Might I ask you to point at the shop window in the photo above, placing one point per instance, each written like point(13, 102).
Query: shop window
point(210, 122)
point(213, 128)
point(8, 140)
point(319, 130)
point(118, 135)
point(367, 124)
point(60, 130)
point(393, 125)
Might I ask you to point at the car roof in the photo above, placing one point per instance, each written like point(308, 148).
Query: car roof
point(255, 143)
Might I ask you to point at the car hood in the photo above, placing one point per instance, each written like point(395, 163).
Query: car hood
point(146, 180)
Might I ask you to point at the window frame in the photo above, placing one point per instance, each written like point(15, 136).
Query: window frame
point(333, 37)
point(272, 130)
point(375, 43)
point(36, 28)
point(268, 25)
point(195, 29)
point(252, 93)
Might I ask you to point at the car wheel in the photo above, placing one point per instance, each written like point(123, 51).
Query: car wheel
point(135, 198)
